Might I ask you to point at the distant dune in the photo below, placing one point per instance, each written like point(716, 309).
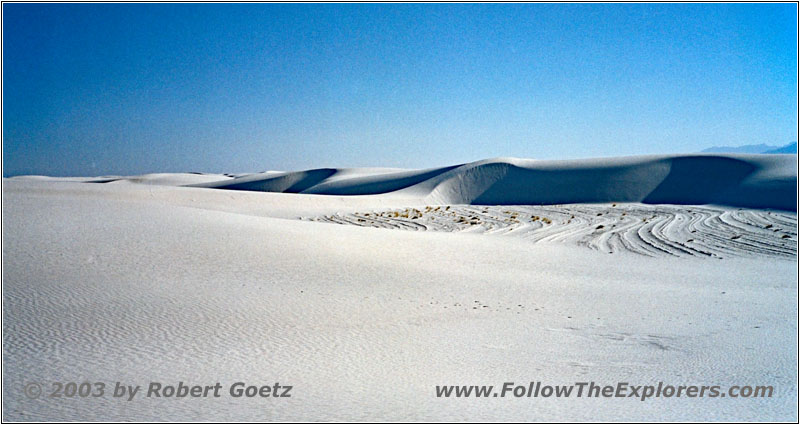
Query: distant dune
point(740, 180)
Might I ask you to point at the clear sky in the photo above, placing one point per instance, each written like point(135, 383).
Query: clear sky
point(130, 89)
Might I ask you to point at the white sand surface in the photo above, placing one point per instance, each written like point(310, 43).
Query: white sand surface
point(130, 282)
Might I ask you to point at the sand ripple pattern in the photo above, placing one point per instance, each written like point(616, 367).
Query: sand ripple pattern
point(650, 230)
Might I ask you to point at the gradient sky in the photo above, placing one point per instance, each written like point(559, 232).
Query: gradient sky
point(129, 89)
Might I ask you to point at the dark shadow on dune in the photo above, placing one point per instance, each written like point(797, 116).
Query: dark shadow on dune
point(777, 193)
point(690, 180)
point(384, 183)
point(523, 186)
point(723, 181)
point(101, 181)
point(700, 180)
point(288, 183)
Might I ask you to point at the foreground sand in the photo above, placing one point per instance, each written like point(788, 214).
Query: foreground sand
point(135, 283)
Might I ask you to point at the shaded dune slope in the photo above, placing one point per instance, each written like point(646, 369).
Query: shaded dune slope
point(295, 182)
point(752, 181)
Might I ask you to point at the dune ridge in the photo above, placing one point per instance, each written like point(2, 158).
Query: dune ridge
point(738, 180)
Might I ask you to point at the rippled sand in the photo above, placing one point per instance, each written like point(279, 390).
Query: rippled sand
point(642, 229)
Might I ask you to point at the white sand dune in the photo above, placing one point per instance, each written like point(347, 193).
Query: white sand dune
point(167, 179)
point(753, 181)
point(145, 279)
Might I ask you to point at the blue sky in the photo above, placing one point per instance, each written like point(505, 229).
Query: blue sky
point(136, 88)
